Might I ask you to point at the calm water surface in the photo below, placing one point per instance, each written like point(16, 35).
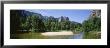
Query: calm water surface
point(77, 36)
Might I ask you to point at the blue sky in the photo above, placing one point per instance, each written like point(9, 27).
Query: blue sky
point(73, 14)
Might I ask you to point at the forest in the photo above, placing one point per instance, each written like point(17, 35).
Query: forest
point(25, 21)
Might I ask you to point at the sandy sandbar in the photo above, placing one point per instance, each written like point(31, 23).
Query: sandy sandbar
point(57, 33)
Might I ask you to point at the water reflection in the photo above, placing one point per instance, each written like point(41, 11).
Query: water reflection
point(78, 36)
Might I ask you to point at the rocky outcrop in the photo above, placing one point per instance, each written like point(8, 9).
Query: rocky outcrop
point(95, 13)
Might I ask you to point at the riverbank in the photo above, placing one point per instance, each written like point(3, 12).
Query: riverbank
point(92, 35)
point(57, 33)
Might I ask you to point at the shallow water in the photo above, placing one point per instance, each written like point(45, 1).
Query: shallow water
point(78, 36)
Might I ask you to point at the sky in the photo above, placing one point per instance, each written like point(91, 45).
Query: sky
point(73, 14)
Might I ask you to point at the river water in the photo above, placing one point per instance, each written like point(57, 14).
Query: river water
point(77, 36)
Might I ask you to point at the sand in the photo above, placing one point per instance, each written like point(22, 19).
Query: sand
point(57, 33)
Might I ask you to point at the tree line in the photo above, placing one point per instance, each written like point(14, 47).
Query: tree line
point(93, 23)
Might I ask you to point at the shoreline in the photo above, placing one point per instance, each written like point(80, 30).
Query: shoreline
point(57, 33)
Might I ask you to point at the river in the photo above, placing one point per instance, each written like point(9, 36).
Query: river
point(77, 36)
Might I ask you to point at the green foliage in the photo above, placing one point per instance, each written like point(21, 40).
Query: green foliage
point(28, 23)
point(35, 24)
point(92, 24)
point(92, 35)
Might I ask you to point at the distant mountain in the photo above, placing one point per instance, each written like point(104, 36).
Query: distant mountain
point(27, 13)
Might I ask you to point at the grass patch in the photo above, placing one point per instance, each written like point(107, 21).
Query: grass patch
point(92, 35)
point(29, 35)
